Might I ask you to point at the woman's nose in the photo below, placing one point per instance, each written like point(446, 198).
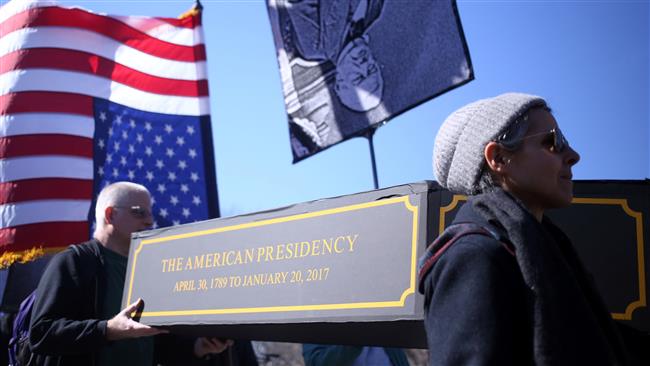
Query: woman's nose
point(571, 156)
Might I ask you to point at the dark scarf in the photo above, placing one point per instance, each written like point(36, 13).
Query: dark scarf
point(571, 325)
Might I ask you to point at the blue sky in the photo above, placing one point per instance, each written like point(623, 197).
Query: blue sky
point(589, 59)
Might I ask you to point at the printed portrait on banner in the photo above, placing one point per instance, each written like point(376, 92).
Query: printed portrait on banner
point(347, 65)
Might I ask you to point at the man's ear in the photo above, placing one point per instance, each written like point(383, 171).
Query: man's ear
point(495, 157)
point(108, 215)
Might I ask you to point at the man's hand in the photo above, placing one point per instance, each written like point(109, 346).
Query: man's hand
point(204, 346)
point(121, 326)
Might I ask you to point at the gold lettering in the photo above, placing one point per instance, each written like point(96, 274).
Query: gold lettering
point(238, 259)
point(336, 244)
point(289, 248)
point(171, 264)
point(164, 264)
point(315, 249)
point(279, 253)
point(179, 264)
point(303, 245)
point(181, 286)
point(249, 255)
point(269, 254)
point(351, 241)
point(199, 261)
point(209, 261)
point(327, 245)
point(264, 279)
point(260, 253)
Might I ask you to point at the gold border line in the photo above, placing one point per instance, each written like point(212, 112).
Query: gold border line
point(444, 210)
point(274, 309)
point(414, 242)
point(638, 216)
point(362, 305)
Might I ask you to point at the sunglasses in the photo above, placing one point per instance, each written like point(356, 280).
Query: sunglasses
point(137, 211)
point(555, 138)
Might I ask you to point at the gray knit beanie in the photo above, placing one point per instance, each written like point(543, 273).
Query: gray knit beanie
point(458, 159)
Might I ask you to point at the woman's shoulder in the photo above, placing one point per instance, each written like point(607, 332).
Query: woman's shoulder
point(477, 256)
point(480, 247)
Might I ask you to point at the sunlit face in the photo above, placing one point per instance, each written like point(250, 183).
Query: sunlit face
point(536, 173)
point(359, 83)
point(126, 219)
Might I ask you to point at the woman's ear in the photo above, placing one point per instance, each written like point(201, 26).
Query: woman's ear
point(495, 157)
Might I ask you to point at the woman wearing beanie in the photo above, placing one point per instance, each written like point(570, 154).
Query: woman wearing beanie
point(514, 292)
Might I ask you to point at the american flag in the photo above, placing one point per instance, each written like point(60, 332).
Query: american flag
point(87, 100)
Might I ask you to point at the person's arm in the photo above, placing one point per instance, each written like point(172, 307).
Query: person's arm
point(205, 346)
point(60, 323)
point(475, 306)
point(244, 353)
point(56, 327)
point(323, 355)
point(172, 349)
point(122, 326)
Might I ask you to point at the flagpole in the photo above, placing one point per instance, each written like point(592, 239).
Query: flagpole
point(198, 6)
point(369, 135)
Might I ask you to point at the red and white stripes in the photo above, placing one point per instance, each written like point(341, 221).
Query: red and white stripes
point(53, 61)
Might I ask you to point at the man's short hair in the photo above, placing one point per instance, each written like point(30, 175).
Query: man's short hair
point(114, 194)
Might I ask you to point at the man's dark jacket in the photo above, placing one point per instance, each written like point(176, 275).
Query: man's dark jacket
point(64, 324)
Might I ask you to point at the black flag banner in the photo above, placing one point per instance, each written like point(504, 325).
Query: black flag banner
point(348, 65)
